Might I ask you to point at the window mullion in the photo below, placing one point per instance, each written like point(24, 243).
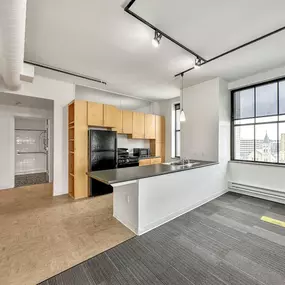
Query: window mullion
point(254, 131)
point(278, 122)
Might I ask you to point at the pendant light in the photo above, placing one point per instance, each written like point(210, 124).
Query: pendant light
point(182, 113)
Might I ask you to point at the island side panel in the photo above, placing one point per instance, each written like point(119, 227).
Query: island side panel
point(125, 204)
point(163, 198)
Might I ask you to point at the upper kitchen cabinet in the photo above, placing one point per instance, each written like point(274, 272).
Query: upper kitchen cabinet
point(149, 126)
point(113, 118)
point(159, 129)
point(127, 122)
point(95, 114)
point(138, 125)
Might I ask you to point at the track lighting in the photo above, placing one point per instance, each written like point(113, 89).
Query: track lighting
point(198, 63)
point(156, 39)
point(182, 113)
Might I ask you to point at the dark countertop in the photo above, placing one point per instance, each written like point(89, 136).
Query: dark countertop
point(112, 176)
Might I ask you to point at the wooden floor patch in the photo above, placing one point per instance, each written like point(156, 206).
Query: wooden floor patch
point(273, 221)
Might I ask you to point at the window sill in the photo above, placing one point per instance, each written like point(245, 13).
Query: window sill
point(257, 163)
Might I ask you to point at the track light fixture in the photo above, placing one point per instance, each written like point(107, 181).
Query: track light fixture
point(198, 63)
point(156, 39)
point(182, 113)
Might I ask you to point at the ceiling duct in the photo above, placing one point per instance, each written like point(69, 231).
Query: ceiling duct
point(13, 22)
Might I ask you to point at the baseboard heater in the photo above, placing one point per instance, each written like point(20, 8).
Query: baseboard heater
point(264, 193)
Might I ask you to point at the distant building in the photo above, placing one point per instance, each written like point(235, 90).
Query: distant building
point(282, 149)
point(263, 151)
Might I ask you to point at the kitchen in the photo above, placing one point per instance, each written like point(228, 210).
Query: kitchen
point(135, 196)
point(86, 115)
point(94, 132)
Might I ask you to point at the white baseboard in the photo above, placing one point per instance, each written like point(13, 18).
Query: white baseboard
point(173, 216)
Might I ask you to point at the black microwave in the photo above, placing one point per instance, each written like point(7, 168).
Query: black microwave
point(141, 152)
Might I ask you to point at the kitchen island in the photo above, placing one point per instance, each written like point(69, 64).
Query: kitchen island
point(148, 196)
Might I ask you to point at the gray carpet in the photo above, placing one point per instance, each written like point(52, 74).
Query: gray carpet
point(222, 242)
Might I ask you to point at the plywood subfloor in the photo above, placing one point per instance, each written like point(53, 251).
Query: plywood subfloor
point(41, 236)
point(223, 242)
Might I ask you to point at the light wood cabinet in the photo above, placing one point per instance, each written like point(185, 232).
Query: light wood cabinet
point(159, 129)
point(138, 125)
point(113, 118)
point(78, 149)
point(144, 162)
point(95, 114)
point(127, 122)
point(158, 149)
point(149, 121)
point(156, 160)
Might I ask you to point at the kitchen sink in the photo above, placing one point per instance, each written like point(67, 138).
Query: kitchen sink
point(187, 163)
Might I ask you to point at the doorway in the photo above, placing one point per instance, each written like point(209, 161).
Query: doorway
point(32, 157)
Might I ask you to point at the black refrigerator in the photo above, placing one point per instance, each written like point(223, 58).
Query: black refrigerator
point(102, 156)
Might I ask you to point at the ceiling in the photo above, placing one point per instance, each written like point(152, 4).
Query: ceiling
point(9, 99)
point(98, 39)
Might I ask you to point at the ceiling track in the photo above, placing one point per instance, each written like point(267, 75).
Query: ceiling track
point(65, 72)
point(127, 9)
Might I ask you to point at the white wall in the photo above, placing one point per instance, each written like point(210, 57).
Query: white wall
point(199, 134)
point(258, 175)
point(7, 152)
point(7, 157)
point(204, 104)
point(261, 77)
point(99, 96)
point(124, 142)
point(61, 93)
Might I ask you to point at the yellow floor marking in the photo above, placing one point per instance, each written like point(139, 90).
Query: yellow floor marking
point(273, 221)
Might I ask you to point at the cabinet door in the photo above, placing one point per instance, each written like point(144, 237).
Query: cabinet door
point(155, 160)
point(159, 128)
point(127, 122)
point(144, 162)
point(95, 113)
point(113, 118)
point(149, 127)
point(138, 125)
point(158, 149)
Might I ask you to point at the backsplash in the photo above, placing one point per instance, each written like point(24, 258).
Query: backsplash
point(124, 142)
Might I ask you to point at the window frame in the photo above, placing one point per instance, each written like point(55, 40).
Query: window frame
point(254, 86)
point(176, 107)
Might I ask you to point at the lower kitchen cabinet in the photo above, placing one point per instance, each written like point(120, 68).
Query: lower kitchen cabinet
point(144, 162)
point(149, 161)
point(156, 160)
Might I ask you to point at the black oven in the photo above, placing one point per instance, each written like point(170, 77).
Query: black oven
point(141, 152)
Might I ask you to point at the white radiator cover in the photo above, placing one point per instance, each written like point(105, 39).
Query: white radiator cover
point(264, 193)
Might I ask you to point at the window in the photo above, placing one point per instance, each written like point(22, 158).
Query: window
point(177, 130)
point(258, 123)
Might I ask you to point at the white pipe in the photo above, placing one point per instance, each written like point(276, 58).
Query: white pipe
point(13, 41)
